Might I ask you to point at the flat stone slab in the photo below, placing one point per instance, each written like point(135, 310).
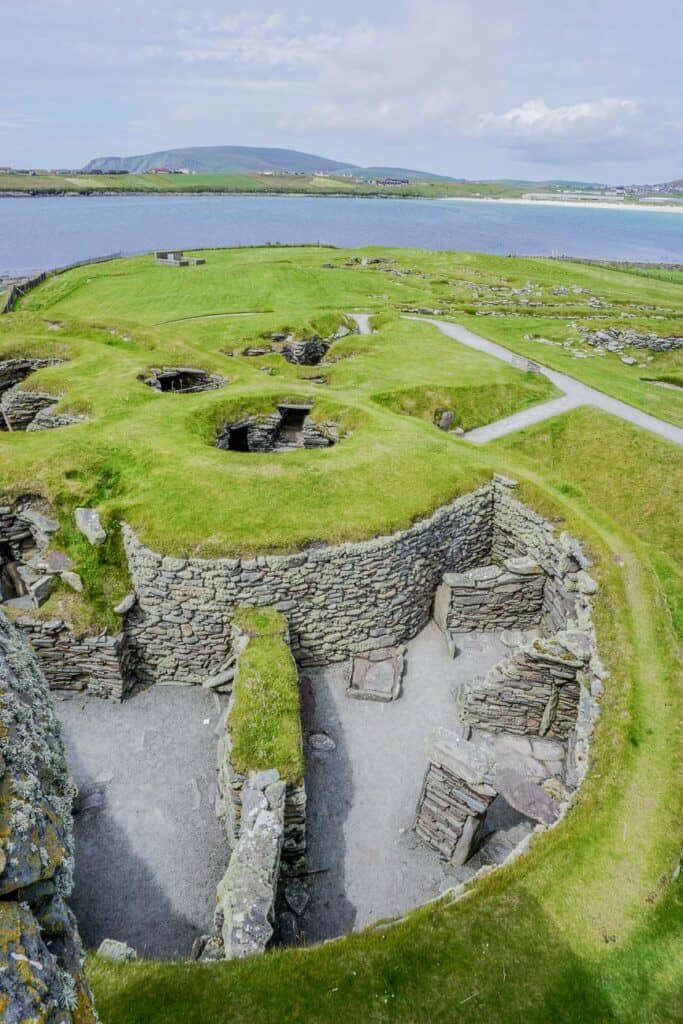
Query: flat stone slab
point(525, 796)
point(377, 675)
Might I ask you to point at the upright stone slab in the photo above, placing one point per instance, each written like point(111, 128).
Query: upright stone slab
point(456, 793)
point(246, 894)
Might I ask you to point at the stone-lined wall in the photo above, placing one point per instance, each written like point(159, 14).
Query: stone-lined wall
point(533, 692)
point(518, 530)
point(456, 793)
point(231, 783)
point(41, 957)
point(491, 597)
point(100, 663)
point(338, 600)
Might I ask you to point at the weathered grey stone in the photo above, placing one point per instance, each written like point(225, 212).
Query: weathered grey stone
point(125, 605)
point(113, 949)
point(297, 896)
point(246, 894)
point(88, 522)
point(322, 742)
point(73, 580)
point(377, 675)
point(41, 958)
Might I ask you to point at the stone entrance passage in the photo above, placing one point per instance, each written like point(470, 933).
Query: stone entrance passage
point(150, 850)
point(290, 427)
point(185, 380)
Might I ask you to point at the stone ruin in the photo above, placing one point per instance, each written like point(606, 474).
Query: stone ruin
point(41, 956)
point(30, 565)
point(28, 410)
point(176, 258)
point(290, 426)
point(308, 351)
point(616, 339)
point(185, 380)
point(484, 563)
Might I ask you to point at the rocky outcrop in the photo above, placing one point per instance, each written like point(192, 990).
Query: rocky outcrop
point(41, 957)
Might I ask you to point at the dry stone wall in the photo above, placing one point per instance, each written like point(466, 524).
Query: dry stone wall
point(231, 783)
point(491, 597)
point(41, 957)
point(338, 600)
point(100, 663)
point(533, 692)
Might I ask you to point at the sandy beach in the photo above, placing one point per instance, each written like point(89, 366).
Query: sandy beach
point(577, 204)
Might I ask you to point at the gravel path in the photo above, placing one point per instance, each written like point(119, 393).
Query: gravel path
point(149, 848)
point(575, 394)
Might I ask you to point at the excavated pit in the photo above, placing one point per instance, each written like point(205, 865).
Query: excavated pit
point(18, 408)
point(182, 380)
point(288, 428)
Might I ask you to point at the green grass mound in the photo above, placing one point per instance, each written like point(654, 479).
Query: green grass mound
point(265, 721)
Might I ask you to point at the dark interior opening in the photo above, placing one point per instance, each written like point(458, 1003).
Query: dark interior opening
point(291, 424)
point(11, 583)
point(181, 381)
point(238, 439)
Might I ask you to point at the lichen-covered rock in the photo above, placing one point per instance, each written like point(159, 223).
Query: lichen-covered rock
point(36, 791)
point(41, 957)
point(246, 894)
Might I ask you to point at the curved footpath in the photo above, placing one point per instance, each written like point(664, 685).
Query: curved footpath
point(575, 394)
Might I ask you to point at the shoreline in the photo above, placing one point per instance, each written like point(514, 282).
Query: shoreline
point(576, 204)
point(511, 201)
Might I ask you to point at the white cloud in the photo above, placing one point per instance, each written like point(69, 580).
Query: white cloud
point(604, 129)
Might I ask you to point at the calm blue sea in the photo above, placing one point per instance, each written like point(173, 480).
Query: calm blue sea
point(38, 233)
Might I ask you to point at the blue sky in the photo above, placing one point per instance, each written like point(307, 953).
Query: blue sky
point(496, 89)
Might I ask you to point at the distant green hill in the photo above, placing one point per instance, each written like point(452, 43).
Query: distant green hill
point(219, 159)
point(245, 159)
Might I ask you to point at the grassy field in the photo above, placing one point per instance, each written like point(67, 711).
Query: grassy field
point(56, 184)
point(585, 928)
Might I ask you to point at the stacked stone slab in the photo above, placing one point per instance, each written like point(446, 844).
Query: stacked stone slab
point(615, 339)
point(519, 531)
point(13, 371)
point(19, 407)
point(338, 600)
point(533, 692)
point(245, 908)
point(97, 663)
point(456, 793)
point(263, 433)
point(491, 597)
point(41, 957)
point(306, 351)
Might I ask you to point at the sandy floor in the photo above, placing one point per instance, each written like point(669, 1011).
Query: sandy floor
point(149, 850)
point(362, 795)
